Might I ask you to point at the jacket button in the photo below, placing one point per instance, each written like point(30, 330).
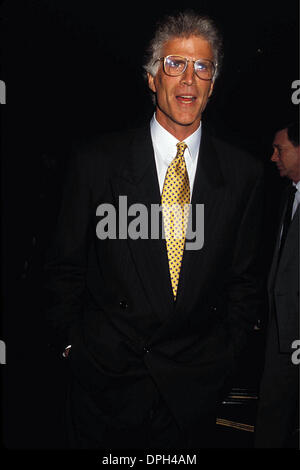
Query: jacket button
point(123, 304)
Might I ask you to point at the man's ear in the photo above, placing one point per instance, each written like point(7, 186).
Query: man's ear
point(151, 83)
point(211, 89)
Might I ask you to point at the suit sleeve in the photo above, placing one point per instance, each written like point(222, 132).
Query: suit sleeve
point(66, 259)
point(246, 281)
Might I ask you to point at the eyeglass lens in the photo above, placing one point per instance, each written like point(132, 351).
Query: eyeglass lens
point(176, 65)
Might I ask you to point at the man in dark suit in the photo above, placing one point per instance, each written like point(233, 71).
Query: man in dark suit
point(151, 330)
point(278, 411)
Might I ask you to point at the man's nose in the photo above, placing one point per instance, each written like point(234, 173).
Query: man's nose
point(275, 157)
point(188, 76)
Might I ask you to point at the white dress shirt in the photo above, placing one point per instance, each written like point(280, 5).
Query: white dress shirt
point(297, 198)
point(164, 145)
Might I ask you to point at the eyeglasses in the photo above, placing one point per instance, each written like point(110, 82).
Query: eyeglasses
point(175, 65)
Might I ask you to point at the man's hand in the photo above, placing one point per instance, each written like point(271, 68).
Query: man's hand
point(67, 351)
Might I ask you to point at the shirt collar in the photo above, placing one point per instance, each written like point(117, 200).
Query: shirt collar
point(297, 185)
point(165, 143)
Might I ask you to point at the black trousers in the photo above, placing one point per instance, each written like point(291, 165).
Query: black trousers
point(278, 409)
point(90, 426)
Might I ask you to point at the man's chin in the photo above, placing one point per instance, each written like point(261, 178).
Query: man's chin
point(282, 173)
point(180, 119)
point(186, 120)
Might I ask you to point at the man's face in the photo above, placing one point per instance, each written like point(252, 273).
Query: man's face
point(182, 99)
point(286, 156)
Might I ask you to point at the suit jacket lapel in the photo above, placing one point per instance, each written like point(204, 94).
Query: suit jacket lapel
point(139, 183)
point(289, 249)
point(208, 190)
point(293, 228)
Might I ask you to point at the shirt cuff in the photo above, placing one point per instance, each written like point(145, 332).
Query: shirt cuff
point(68, 347)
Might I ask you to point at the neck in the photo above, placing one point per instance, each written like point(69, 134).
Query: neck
point(180, 131)
point(295, 179)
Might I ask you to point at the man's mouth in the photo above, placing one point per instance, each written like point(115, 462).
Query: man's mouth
point(280, 169)
point(186, 99)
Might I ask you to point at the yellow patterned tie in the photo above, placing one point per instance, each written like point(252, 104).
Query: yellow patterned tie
point(175, 200)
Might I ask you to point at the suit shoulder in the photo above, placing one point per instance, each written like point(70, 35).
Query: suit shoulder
point(234, 158)
point(102, 146)
point(104, 153)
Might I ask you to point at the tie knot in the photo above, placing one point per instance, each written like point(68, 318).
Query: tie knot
point(181, 146)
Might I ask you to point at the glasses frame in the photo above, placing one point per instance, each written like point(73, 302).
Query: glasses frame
point(164, 59)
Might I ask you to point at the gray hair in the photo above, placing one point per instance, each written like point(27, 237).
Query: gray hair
point(184, 24)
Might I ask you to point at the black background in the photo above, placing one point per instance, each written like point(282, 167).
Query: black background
point(74, 69)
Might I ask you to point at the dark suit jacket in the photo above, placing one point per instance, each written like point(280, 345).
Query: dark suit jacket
point(278, 408)
point(112, 299)
point(283, 284)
